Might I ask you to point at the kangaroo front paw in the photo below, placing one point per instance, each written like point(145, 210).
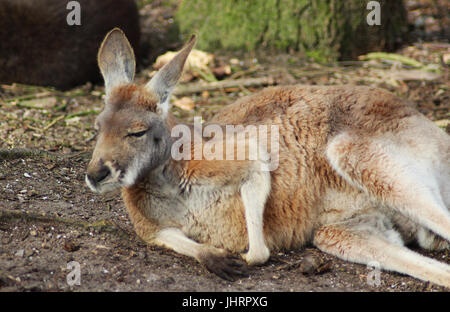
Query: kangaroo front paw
point(224, 265)
point(257, 256)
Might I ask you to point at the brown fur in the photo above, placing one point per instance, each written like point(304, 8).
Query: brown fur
point(138, 96)
point(290, 210)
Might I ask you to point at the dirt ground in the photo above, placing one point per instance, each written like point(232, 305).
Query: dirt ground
point(50, 219)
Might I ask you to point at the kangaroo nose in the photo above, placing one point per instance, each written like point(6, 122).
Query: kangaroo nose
point(98, 176)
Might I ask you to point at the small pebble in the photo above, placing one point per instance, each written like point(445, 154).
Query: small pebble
point(19, 253)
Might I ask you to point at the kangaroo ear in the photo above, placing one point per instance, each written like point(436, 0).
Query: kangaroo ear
point(165, 80)
point(116, 60)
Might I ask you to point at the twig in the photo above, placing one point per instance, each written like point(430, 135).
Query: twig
point(53, 122)
point(245, 72)
point(245, 90)
point(23, 105)
point(223, 84)
point(82, 113)
point(29, 97)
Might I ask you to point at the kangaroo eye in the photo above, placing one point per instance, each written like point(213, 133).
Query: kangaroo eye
point(137, 134)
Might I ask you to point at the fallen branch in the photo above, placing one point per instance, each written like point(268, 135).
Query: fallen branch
point(28, 97)
point(241, 73)
point(53, 122)
point(223, 84)
point(82, 113)
point(313, 73)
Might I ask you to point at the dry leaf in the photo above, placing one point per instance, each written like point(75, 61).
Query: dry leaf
point(205, 95)
point(185, 103)
point(222, 71)
point(197, 61)
point(443, 123)
point(446, 58)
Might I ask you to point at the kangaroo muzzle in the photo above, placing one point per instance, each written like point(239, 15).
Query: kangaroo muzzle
point(102, 176)
point(97, 176)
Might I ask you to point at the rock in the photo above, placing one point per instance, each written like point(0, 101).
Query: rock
point(152, 277)
point(70, 246)
point(312, 264)
point(309, 265)
point(20, 253)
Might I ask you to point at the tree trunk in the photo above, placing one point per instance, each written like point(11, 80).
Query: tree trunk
point(324, 29)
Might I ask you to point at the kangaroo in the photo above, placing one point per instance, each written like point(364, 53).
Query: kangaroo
point(40, 46)
point(360, 173)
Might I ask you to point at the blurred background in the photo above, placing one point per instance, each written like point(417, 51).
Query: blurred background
point(51, 90)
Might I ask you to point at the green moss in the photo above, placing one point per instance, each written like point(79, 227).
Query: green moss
point(328, 29)
point(142, 3)
point(317, 56)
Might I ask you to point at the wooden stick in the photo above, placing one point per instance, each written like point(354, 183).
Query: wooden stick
point(53, 122)
point(223, 84)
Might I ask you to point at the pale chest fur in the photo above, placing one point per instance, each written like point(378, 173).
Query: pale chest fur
point(204, 213)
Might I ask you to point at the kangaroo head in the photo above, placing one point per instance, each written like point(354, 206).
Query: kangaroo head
point(133, 135)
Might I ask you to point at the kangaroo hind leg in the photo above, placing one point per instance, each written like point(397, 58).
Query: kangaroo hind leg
point(359, 241)
point(394, 175)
